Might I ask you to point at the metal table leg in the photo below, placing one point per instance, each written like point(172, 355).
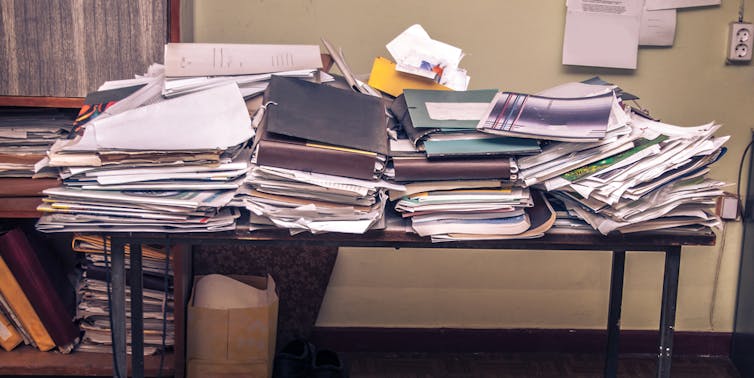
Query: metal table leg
point(613, 315)
point(137, 312)
point(118, 308)
point(667, 314)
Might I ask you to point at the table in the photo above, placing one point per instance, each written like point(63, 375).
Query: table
point(394, 236)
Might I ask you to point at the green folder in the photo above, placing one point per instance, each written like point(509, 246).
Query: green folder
point(476, 147)
point(421, 102)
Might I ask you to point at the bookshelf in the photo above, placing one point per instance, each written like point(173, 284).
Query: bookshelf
point(52, 57)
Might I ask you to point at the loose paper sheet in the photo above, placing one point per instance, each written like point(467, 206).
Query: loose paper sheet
point(657, 27)
point(673, 4)
point(602, 34)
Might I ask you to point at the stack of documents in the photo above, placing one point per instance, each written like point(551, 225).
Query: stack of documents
point(658, 183)
point(319, 153)
point(170, 166)
point(93, 310)
point(306, 201)
point(25, 137)
point(617, 170)
point(461, 184)
point(192, 67)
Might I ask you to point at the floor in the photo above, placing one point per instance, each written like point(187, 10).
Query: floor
point(480, 365)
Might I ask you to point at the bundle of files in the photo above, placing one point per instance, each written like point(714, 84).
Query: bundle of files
point(166, 166)
point(31, 309)
point(657, 183)
point(460, 183)
point(93, 311)
point(319, 154)
point(191, 67)
point(613, 167)
point(25, 136)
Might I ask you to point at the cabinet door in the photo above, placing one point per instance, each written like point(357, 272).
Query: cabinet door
point(67, 48)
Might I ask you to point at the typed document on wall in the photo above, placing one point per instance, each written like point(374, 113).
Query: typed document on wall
point(602, 33)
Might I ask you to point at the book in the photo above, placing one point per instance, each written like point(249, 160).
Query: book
point(420, 168)
point(324, 114)
point(293, 153)
point(583, 119)
point(317, 128)
point(22, 260)
point(10, 337)
point(21, 306)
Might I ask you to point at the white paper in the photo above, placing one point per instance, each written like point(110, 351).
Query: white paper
point(216, 118)
point(673, 4)
point(210, 59)
point(657, 27)
point(602, 34)
point(460, 111)
point(416, 53)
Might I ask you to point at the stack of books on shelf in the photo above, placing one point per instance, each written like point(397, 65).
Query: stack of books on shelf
point(25, 136)
point(93, 310)
point(31, 310)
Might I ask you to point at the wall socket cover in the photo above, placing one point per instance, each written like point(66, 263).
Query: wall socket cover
point(740, 38)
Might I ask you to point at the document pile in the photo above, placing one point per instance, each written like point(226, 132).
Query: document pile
point(191, 67)
point(169, 166)
point(93, 310)
point(642, 175)
point(320, 152)
point(656, 184)
point(460, 183)
point(25, 136)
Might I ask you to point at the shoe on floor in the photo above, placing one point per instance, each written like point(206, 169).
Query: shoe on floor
point(294, 360)
point(327, 364)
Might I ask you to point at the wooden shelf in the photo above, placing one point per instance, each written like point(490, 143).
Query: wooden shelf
point(26, 360)
point(43, 102)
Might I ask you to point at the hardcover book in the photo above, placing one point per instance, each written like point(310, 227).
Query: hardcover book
point(26, 267)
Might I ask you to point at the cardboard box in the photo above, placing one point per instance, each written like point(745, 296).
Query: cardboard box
point(239, 341)
point(213, 369)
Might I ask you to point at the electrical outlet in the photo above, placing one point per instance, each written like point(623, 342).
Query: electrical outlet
point(740, 38)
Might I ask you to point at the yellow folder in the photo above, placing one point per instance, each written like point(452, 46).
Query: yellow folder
point(9, 336)
point(21, 306)
point(385, 78)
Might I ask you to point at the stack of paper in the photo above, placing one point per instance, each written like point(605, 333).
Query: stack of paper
point(171, 166)
point(192, 67)
point(25, 136)
point(93, 310)
point(460, 183)
point(319, 154)
point(658, 183)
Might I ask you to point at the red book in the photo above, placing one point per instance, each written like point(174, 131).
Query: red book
point(26, 267)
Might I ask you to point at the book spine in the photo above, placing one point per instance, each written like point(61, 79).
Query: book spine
point(421, 169)
point(24, 264)
point(313, 159)
point(11, 331)
point(19, 305)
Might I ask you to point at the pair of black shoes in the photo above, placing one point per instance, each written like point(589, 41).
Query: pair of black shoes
point(300, 359)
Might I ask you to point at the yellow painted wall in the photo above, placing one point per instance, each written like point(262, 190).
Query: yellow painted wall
point(516, 45)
